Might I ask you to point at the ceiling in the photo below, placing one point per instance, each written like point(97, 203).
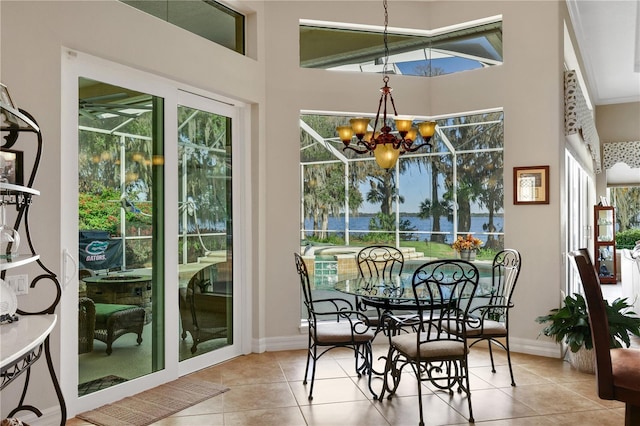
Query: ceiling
point(607, 35)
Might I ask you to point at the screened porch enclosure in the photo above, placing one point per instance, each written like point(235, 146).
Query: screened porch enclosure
point(431, 196)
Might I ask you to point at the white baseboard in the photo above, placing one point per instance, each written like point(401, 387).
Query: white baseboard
point(526, 346)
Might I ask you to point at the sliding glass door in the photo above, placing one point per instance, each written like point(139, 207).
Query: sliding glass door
point(205, 211)
point(150, 235)
point(121, 235)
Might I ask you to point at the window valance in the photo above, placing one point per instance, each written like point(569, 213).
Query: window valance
point(578, 119)
point(621, 152)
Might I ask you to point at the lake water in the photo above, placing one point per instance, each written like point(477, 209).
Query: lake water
point(422, 226)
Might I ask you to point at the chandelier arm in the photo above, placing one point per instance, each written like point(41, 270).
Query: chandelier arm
point(409, 147)
point(363, 151)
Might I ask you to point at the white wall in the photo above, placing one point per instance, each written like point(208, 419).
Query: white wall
point(529, 85)
point(34, 35)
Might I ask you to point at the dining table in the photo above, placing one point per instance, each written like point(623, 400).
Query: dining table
point(393, 295)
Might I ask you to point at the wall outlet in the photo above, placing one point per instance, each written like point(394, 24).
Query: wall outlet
point(19, 284)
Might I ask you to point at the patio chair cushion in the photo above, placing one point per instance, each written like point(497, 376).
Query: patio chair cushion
point(341, 332)
point(113, 321)
point(406, 343)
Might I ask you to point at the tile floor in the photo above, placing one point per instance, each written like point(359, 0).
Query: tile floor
point(266, 389)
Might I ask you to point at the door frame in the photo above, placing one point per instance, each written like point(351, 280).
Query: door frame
point(74, 65)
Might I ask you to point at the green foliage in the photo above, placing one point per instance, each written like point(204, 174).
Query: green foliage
point(571, 323)
point(139, 253)
point(627, 239)
point(101, 210)
point(387, 222)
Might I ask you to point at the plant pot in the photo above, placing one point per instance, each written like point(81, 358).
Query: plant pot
point(584, 360)
point(469, 255)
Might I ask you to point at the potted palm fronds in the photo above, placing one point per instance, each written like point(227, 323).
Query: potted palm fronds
point(570, 324)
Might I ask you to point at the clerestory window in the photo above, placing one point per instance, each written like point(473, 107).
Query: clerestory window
point(336, 46)
point(206, 18)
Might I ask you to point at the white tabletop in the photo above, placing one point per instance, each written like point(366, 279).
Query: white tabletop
point(20, 337)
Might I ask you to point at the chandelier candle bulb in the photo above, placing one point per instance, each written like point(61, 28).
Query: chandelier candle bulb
point(345, 133)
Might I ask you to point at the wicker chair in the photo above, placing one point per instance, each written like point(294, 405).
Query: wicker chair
point(86, 324)
point(107, 322)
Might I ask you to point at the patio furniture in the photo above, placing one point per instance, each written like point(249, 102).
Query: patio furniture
point(333, 323)
point(489, 322)
point(617, 369)
point(378, 261)
point(114, 321)
point(204, 306)
point(443, 292)
point(86, 324)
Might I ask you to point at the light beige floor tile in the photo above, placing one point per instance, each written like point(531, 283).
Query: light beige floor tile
point(271, 417)
point(242, 374)
point(203, 420)
point(520, 421)
point(551, 399)
point(401, 411)
point(258, 396)
point(558, 372)
point(328, 391)
point(588, 389)
point(343, 414)
point(487, 404)
point(588, 418)
point(501, 378)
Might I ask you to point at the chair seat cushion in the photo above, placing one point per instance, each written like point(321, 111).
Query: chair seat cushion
point(626, 368)
point(331, 332)
point(407, 344)
point(489, 327)
point(104, 310)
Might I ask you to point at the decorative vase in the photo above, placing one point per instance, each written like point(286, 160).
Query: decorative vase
point(584, 360)
point(469, 255)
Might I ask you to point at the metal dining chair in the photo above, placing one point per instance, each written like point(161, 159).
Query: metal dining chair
point(490, 319)
point(378, 262)
point(617, 369)
point(443, 292)
point(334, 323)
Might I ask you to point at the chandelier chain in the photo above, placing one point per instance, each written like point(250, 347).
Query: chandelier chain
point(385, 38)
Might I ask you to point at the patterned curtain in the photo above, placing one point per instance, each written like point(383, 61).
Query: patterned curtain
point(578, 118)
point(622, 152)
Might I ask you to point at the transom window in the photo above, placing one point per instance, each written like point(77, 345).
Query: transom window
point(335, 46)
point(206, 18)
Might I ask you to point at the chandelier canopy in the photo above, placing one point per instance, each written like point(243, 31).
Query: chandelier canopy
point(385, 146)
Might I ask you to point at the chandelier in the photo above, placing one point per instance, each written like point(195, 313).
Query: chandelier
point(384, 145)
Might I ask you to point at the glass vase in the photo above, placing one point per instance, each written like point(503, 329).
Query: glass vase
point(9, 237)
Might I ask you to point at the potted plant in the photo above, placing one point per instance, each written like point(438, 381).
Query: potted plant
point(467, 246)
point(570, 324)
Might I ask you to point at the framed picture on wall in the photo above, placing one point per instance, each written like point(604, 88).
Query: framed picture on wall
point(531, 185)
point(11, 167)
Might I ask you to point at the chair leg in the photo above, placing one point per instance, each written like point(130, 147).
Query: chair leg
point(493, 367)
point(313, 371)
point(632, 415)
point(465, 369)
point(417, 371)
point(513, 382)
point(306, 369)
point(369, 366)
